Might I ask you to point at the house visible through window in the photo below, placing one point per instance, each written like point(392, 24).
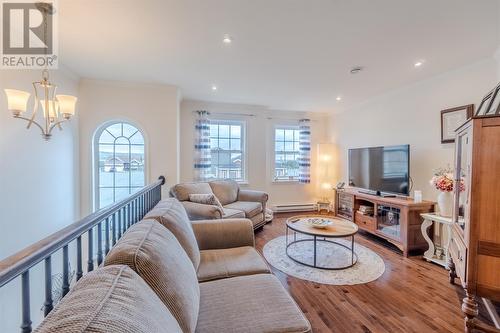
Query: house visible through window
point(120, 162)
point(286, 153)
point(227, 149)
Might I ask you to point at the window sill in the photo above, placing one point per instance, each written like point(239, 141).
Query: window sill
point(285, 181)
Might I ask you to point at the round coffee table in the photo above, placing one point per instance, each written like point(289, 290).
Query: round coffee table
point(339, 228)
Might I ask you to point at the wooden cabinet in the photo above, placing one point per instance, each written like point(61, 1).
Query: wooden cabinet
point(395, 219)
point(475, 244)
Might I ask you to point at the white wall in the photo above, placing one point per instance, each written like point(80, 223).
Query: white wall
point(411, 115)
point(153, 108)
point(259, 146)
point(38, 185)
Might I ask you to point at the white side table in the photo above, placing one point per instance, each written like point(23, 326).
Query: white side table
point(440, 222)
point(327, 205)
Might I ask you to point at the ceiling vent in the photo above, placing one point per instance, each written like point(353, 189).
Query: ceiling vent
point(356, 70)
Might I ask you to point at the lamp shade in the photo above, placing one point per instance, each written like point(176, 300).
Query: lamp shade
point(326, 186)
point(17, 101)
point(67, 105)
point(53, 109)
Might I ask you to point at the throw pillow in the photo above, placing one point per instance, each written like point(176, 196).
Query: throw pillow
point(206, 199)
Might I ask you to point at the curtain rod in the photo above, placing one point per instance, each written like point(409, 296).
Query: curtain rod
point(230, 114)
point(295, 119)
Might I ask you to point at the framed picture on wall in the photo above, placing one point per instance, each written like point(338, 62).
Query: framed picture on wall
point(453, 118)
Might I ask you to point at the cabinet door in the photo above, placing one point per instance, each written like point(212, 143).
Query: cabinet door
point(389, 221)
point(462, 184)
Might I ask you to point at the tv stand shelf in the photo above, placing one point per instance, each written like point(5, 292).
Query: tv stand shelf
point(396, 219)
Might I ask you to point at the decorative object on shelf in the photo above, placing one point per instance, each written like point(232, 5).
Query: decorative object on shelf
point(445, 204)
point(453, 118)
point(490, 104)
point(366, 210)
point(417, 196)
point(444, 182)
point(437, 250)
point(56, 108)
point(340, 186)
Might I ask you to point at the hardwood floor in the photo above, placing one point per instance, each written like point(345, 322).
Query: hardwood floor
point(411, 296)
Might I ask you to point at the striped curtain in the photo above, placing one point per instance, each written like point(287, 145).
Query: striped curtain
point(202, 158)
point(305, 151)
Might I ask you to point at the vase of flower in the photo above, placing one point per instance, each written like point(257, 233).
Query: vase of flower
point(445, 203)
point(443, 181)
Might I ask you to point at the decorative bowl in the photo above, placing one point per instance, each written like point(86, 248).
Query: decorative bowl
point(319, 223)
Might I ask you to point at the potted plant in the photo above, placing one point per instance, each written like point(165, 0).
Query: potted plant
point(443, 181)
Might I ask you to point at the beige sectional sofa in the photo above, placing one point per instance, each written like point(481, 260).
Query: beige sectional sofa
point(167, 274)
point(236, 202)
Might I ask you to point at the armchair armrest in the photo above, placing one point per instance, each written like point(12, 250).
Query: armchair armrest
point(197, 211)
point(223, 234)
point(255, 196)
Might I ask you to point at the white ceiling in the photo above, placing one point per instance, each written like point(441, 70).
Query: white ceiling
point(286, 54)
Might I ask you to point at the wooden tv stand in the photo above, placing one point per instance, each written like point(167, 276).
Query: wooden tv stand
point(396, 219)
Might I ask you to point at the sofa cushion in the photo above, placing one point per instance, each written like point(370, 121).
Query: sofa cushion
point(182, 191)
point(225, 263)
point(249, 304)
point(249, 207)
point(232, 213)
point(172, 214)
point(206, 199)
point(225, 190)
point(154, 253)
point(113, 299)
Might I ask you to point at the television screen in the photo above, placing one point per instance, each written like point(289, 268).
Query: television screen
point(384, 169)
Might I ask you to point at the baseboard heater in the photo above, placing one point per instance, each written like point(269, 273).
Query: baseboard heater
point(294, 208)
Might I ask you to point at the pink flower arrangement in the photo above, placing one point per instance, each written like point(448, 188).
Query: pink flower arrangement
point(443, 180)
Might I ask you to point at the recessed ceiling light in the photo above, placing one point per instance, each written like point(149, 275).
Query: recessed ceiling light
point(338, 98)
point(418, 63)
point(356, 70)
point(214, 87)
point(227, 39)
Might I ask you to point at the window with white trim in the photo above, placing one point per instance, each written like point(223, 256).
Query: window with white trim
point(227, 142)
point(119, 162)
point(286, 153)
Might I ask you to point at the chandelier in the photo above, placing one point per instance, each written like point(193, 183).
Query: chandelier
point(56, 109)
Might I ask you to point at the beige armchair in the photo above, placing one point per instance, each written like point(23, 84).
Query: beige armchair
point(236, 202)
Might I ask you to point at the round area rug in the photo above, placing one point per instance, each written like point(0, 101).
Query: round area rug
point(368, 268)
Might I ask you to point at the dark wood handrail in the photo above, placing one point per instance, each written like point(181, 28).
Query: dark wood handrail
point(22, 261)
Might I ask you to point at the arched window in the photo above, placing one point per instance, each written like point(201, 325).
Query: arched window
point(119, 162)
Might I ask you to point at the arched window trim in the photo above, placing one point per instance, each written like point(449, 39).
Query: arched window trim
point(95, 155)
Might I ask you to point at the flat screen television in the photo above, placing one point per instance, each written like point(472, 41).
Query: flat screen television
point(380, 169)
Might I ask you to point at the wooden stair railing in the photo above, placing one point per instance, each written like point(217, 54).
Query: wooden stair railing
point(116, 219)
